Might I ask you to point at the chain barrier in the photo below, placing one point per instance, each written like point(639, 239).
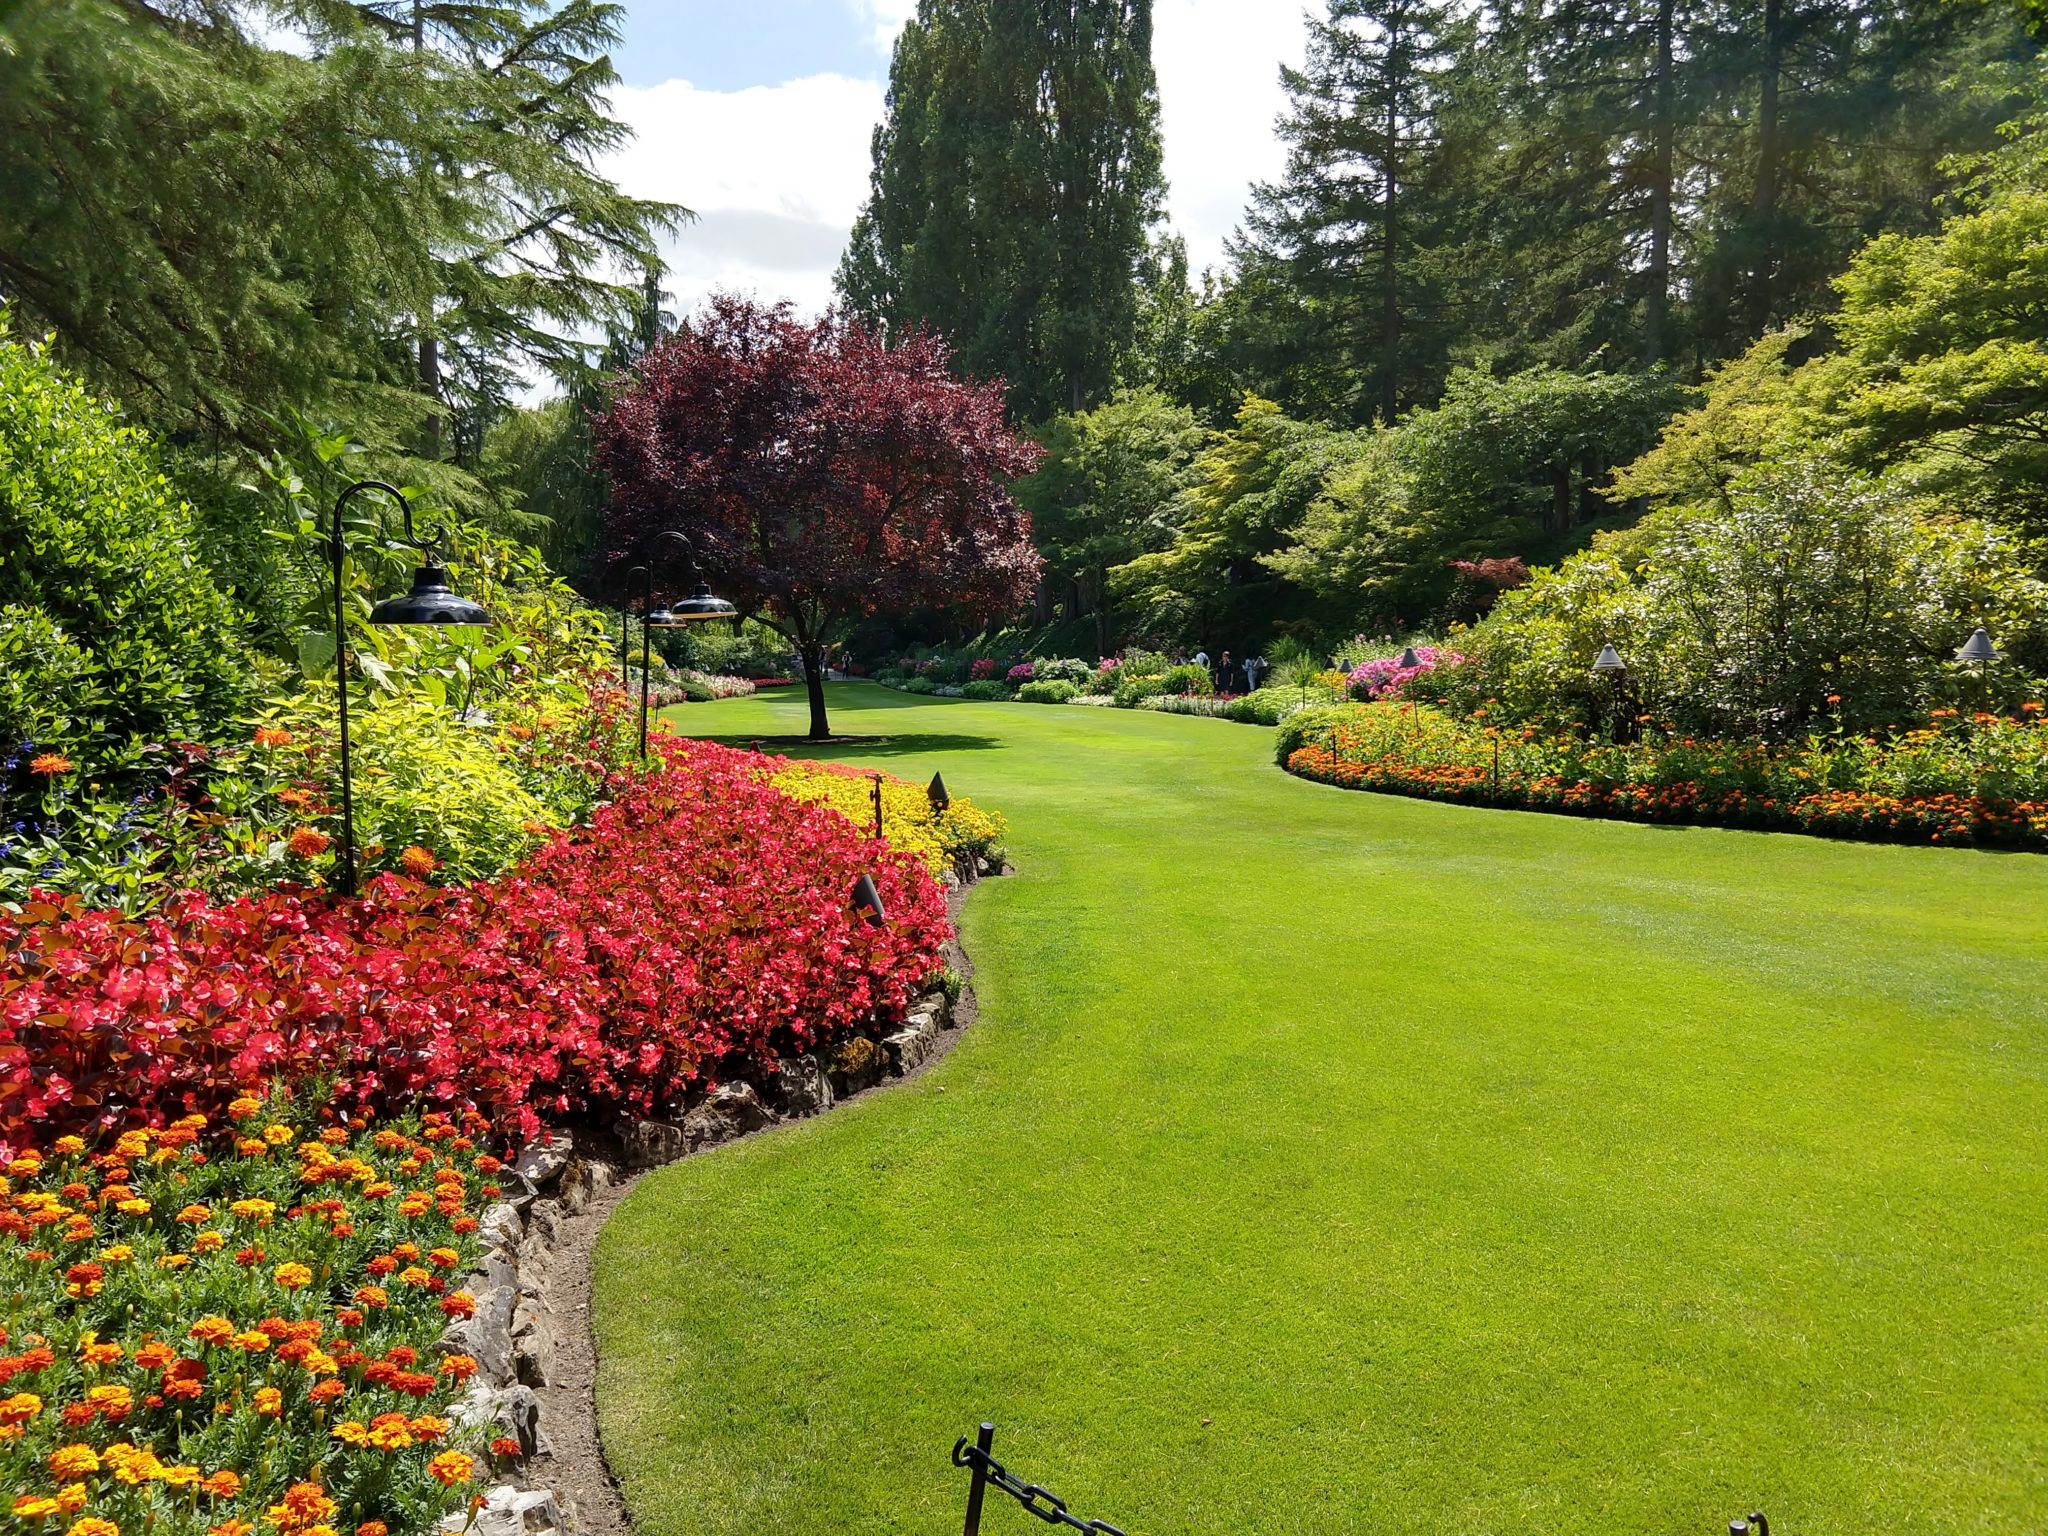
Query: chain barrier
point(990, 1473)
point(1052, 1509)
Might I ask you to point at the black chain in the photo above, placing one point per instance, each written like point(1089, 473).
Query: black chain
point(1042, 1502)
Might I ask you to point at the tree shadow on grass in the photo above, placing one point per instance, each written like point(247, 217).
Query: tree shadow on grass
point(910, 745)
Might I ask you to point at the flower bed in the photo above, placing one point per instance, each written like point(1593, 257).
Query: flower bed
point(1982, 781)
point(232, 1333)
point(698, 925)
point(962, 834)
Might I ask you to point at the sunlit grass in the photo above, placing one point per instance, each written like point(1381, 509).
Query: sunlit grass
point(1328, 1162)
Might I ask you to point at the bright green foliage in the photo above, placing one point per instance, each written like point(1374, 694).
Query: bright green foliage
point(382, 229)
point(423, 778)
point(1109, 491)
point(1015, 179)
point(1944, 342)
point(1807, 592)
point(111, 627)
point(1250, 489)
point(1054, 691)
point(1469, 1172)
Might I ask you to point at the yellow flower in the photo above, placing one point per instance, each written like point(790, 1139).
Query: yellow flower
point(269, 1402)
point(71, 1498)
point(292, 1277)
point(277, 1135)
point(244, 1109)
point(32, 1507)
point(133, 1207)
point(74, 1461)
point(349, 1432)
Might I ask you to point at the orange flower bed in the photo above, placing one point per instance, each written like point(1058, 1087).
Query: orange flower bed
point(233, 1330)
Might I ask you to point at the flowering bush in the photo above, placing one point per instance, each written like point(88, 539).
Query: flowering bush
point(1981, 780)
point(1021, 673)
point(697, 926)
point(213, 1335)
point(1060, 669)
point(982, 669)
point(718, 685)
point(1384, 677)
point(962, 833)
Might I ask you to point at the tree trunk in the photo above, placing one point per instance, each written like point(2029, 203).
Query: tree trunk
point(1662, 129)
point(1560, 498)
point(1765, 207)
point(812, 653)
point(1390, 244)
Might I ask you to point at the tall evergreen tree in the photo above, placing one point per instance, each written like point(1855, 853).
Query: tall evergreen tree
point(1015, 180)
point(1359, 211)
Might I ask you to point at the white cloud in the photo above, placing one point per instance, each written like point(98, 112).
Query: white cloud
point(1218, 63)
point(775, 175)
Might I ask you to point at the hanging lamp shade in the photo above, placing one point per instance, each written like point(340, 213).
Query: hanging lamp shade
point(429, 602)
point(1609, 660)
point(699, 606)
point(867, 901)
point(663, 618)
point(936, 792)
point(1978, 648)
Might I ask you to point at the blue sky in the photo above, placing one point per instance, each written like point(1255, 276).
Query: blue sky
point(726, 46)
point(757, 114)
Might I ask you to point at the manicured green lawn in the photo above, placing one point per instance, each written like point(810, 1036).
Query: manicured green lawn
point(1327, 1162)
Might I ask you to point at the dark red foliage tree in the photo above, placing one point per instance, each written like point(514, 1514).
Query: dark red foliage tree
point(822, 474)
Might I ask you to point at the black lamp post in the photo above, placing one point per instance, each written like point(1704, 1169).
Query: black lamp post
point(699, 606)
point(429, 602)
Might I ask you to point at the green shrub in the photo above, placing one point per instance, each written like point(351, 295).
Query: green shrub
point(986, 689)
point(921, 685)
point(1188, 678)
point(116, 629)
point(1130, 689)
point(1270, 706)
point(1183, 704)
point(1053, 691)
point(1059, 669)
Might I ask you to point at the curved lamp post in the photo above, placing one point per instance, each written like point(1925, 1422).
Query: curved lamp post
point(429, 602)
point(698, 607)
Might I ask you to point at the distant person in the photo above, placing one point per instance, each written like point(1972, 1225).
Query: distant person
point(1254, 669)
point(1226, 675)
point(1202, 660)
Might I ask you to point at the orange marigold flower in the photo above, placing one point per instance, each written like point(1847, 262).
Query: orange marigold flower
point(418, 862)
point(155, 1355)
point(459, 1304)
point(221, 1485)
point(74, 1461)
point(372, 1296)
point(230, 1528)
point(212, 1330)
point(271, 736)
point(308, 842)
point(50, 764)
point(505, 1445)
point(451, 1467)
point(304, 1505)
point(269, 1402)
point(373, 1528)
point(460, 1367)
point(196, 1214)
point(292, 1277)
point(30, 1506)
point(20, 1408)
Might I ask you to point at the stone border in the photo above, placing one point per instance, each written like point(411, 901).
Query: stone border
point(531, 1335)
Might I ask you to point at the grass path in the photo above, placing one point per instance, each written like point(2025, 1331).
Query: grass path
point(1327, 1162)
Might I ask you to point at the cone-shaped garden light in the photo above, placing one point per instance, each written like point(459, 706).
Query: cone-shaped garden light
point(936, 791)
point(1609, 660)
point(867, 901)
point(1409, 660)
point(1978, 648)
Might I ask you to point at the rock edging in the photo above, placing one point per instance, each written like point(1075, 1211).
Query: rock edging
point(563, 1186)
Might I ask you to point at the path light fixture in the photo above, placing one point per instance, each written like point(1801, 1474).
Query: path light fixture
point(867, 902)
point(1978, 648)
point(1610, 665)
point(430, 602)
point(1409, 660)
point(699, 606)
point(936, 793)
